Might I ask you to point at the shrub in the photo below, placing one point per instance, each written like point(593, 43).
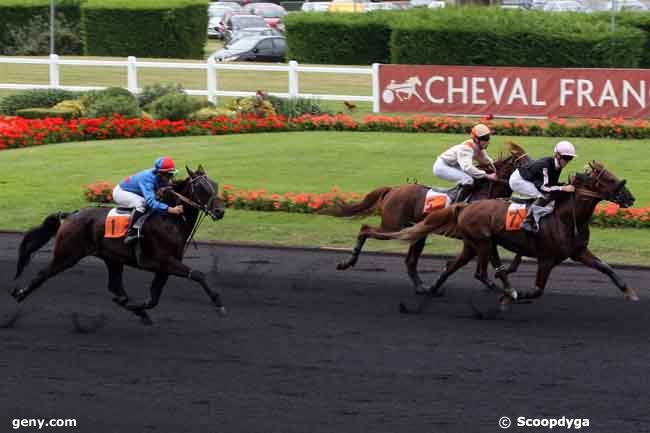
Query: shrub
point(18, 15)
point(208, 113)
point(294, 107)
point(152, 92)
point(100, 103)
point(107, 106)
point(145, 28)
point(74, 106)
point(42, 113)
point(173, 106)
point(99, 192)
point(30, 39)
point(257, 106)
point(39, 98)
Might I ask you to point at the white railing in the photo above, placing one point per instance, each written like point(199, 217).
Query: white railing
point(293, 69)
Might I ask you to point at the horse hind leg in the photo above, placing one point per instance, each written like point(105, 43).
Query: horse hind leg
point(57, 265)
point(361, 240)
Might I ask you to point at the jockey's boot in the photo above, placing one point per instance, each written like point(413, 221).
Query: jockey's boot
point(531, 224)
point(133, 232)
point(464, 193)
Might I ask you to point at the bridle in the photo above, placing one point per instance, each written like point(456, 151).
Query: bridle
point(616, 196)
point(205, 208)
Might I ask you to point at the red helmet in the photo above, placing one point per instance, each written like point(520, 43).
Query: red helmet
point(165, 164)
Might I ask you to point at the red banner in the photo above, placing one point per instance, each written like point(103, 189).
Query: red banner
point(515, 92)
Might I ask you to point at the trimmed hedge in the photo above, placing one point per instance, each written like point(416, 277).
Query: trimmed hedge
point(9, 105)
point(42, 113)
point(18, 13)
point(338, 38)
point(497, 37)
point(145, 28)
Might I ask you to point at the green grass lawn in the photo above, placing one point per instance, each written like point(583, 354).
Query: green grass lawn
point(39, 180)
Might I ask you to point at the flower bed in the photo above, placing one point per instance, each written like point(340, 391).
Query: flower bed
point(606, 215)
point(19, 132)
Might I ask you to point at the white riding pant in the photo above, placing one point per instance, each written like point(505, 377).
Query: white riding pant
point(520, 185)
point(443, 171)
point(129, 199)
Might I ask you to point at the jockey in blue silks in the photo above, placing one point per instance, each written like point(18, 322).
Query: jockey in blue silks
point(139, 191)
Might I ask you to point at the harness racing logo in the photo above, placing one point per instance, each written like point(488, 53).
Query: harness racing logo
point(402, 91)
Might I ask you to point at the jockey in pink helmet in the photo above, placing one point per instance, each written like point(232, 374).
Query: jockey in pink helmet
point(540, 178)
point(139, 192)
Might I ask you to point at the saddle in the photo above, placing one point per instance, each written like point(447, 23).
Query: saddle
point(117, 222)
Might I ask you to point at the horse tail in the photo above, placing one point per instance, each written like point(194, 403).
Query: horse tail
point(364, 208)
point(442, 222)
point(36, 237)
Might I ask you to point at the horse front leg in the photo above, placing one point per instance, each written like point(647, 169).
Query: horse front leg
point(174, 266)
point(588, 258)
point(412, 258)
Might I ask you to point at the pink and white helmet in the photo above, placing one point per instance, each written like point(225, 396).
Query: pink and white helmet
point(565, 148)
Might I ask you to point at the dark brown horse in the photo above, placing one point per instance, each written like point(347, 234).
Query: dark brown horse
point(402, 206)
point(161, 249)
point(565, 233)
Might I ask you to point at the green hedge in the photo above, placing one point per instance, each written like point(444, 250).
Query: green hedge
point(42, 113)
point(145, 28)
point(642, 22)
point(497, 37)
point(20, 12)
point(338, 38)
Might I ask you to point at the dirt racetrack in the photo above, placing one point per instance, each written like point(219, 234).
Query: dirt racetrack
point(306, 348)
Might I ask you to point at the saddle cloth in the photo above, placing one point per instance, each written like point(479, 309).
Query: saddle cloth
point(117, 222)
point(435, 200)
point(515, 215)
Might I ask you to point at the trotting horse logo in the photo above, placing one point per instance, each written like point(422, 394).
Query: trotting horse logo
point(403, 91)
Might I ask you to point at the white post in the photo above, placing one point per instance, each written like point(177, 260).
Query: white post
point(212, 80)
point(132, 75)
point(54, 70)
point(293, 79)
point(376, 91)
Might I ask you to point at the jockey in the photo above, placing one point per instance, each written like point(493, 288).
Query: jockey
point(139, 191)
point(539, 178)
point(456, 164)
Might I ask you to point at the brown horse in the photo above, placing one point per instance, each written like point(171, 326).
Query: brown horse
point(161, 249)
point(565, 233)
point(402, 206)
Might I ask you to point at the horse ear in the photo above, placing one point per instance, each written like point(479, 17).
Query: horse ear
point(189, 171)
point(200, 169)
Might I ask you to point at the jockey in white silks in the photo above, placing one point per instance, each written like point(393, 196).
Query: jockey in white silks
point(456, 164)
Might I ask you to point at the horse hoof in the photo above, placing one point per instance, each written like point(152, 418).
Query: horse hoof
point(222, 311)
point(83, 326)
point(631, 295)
point(18, 294)
point(342, 266)
point(9, 320)
point(146, 320)
point(121, 300)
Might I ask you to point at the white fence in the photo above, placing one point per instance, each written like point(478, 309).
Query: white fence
point(212, 68)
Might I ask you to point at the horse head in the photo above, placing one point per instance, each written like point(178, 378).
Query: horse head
point(602, 183)
point(203, 193)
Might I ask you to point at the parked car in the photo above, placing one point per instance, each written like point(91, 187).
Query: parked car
point(565, 6)
point(382, 6)
point(627, 5)
point(255, 48)
point(316, 6)
point(272, 13)
point(236, 23)
point(216, 11)
point(437, 4)
point(251, 32)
